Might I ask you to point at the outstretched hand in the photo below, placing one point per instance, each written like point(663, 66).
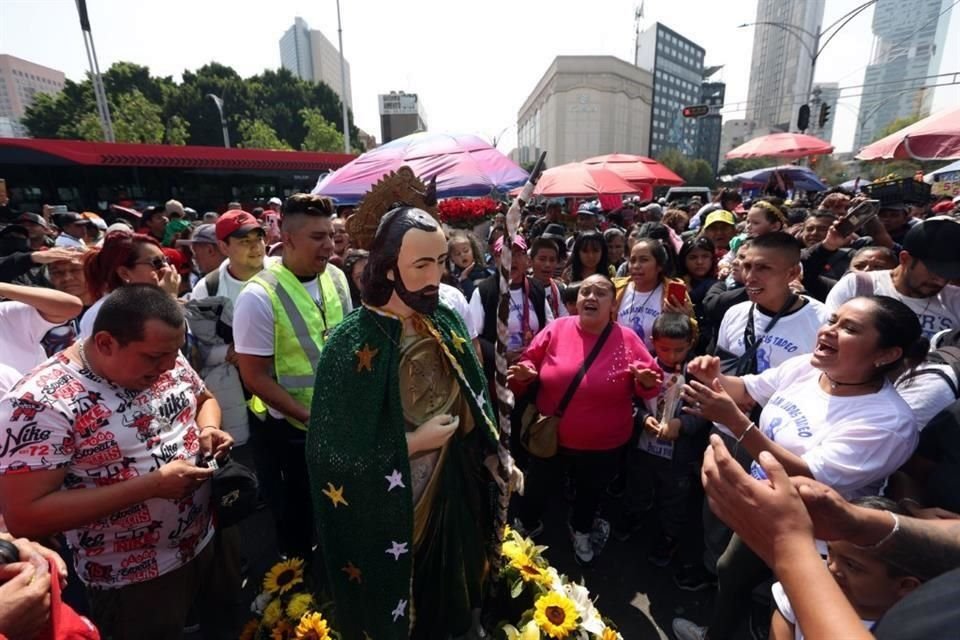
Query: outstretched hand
point(711, 402)
point(769, 514)
point(522, 373)
point(704, 368)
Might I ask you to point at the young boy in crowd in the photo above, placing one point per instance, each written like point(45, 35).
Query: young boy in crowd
point(665, 470)
point(871, 584)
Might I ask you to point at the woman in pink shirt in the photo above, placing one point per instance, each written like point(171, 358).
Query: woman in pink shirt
point(599, 418)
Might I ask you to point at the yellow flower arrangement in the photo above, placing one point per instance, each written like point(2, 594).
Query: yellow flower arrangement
point(300, 605)
point(555, 614)
point(273, 612)
point(282, 631)
point(313, 627)
point(283, 576)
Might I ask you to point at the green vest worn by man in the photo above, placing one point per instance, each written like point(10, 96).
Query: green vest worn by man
point(300, 329)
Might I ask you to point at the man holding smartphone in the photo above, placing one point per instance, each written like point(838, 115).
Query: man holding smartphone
point(928, 262)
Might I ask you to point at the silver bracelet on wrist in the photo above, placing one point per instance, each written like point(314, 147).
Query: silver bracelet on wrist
point(886, 538)
point(752, 425)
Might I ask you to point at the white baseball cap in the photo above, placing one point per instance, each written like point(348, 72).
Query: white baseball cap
point(275, 200)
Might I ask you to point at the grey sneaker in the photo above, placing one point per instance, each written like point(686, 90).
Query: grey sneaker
point(684, 629)
point(582, 548)
point(600, 534)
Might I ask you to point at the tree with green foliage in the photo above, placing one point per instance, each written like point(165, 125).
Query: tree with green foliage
point(695, 171)
point(187, 115)
point(135, 119)
point(321, 134)
point(257, 134)
point(896, 125)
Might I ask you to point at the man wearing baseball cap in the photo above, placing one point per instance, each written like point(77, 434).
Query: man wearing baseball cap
point(73, 229)
point(36, 225)
point(271, 220)
point(928, 262)
point(205, 248)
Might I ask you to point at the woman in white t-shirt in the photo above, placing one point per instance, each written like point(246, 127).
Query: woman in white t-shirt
point(124, 258)
point(642, 298)
point(834, 416)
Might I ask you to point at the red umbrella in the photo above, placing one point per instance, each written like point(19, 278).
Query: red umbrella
point(583, 180)
point(781, 145)
point(639, 170)
point(934, 138)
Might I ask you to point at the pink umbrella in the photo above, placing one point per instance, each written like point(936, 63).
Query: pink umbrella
point(583, 180)
point(781, 145)
point(639, 170)
point(934, 138)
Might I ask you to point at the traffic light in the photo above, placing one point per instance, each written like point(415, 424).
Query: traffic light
point(696, 111)
point(824, 114)
point(803, 118)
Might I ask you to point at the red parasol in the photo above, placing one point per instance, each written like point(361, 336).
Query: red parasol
point(781, 145)
point(934, 138)
point(583, 180)
point(639, 170)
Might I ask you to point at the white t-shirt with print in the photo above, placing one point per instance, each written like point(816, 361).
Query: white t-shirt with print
point(926, 390)
point(514, 319)
point(8, 377)
point(23, 329)
point(786, 610)
point(850, 443)
point(793, 334)
point(935, 314)
point(639, 310)
point(63, 418)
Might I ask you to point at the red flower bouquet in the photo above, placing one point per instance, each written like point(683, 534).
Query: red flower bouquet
point(466, 213)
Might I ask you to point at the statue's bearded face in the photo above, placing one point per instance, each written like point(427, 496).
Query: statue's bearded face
point(420, 266)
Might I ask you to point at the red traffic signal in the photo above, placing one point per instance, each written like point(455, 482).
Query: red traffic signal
point(696, 111)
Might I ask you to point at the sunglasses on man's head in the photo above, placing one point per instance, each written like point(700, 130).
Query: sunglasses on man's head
point(157, 262)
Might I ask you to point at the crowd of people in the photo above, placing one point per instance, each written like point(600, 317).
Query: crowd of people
point(807, 350)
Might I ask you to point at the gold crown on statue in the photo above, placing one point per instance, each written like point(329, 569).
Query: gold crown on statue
point(397, 187)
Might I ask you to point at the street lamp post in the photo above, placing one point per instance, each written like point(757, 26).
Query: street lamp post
point(343, 86)
point(816, 49)
point(217, 100)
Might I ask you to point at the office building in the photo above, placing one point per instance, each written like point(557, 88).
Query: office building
point(824, 93)
point(781, 66)
point(909, 38)
point(400, 115)
point(585, 106)
point(676, 64)
point(710, 126)
point(307, 54)
point(20, 82)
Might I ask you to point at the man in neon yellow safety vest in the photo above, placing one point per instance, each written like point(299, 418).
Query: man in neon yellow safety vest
point(282, 318)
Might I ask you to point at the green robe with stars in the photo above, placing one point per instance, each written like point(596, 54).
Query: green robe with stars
point(356, 452)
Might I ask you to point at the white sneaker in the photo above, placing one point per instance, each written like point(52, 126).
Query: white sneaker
point(684, 629)
point(582, 548)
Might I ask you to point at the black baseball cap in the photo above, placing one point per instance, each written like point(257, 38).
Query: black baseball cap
point(35, 218)
point(934, 242)
point(69, 217)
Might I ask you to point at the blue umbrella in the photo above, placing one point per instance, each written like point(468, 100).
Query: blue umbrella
point(850, 184)
point(802, 177)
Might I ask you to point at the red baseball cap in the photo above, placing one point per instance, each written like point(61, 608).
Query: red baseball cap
point(235, 222)
point(177, 259)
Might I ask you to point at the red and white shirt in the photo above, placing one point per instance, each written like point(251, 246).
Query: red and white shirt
point(64, 416)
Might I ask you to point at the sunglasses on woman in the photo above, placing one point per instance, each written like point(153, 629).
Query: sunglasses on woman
point(156, 262)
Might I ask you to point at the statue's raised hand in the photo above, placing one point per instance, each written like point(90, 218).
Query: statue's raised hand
point(432, 434)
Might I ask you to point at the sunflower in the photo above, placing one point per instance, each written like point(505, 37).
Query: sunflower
point(528, 570)
point(610, 634)
point(555, 614)
point(249, 631)
point(283, 631)
point(313, 627)
point(283, 576)
point(300, 604)
point(271, 615)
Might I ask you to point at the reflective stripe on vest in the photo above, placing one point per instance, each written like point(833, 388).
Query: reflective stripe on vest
point(298, 332)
